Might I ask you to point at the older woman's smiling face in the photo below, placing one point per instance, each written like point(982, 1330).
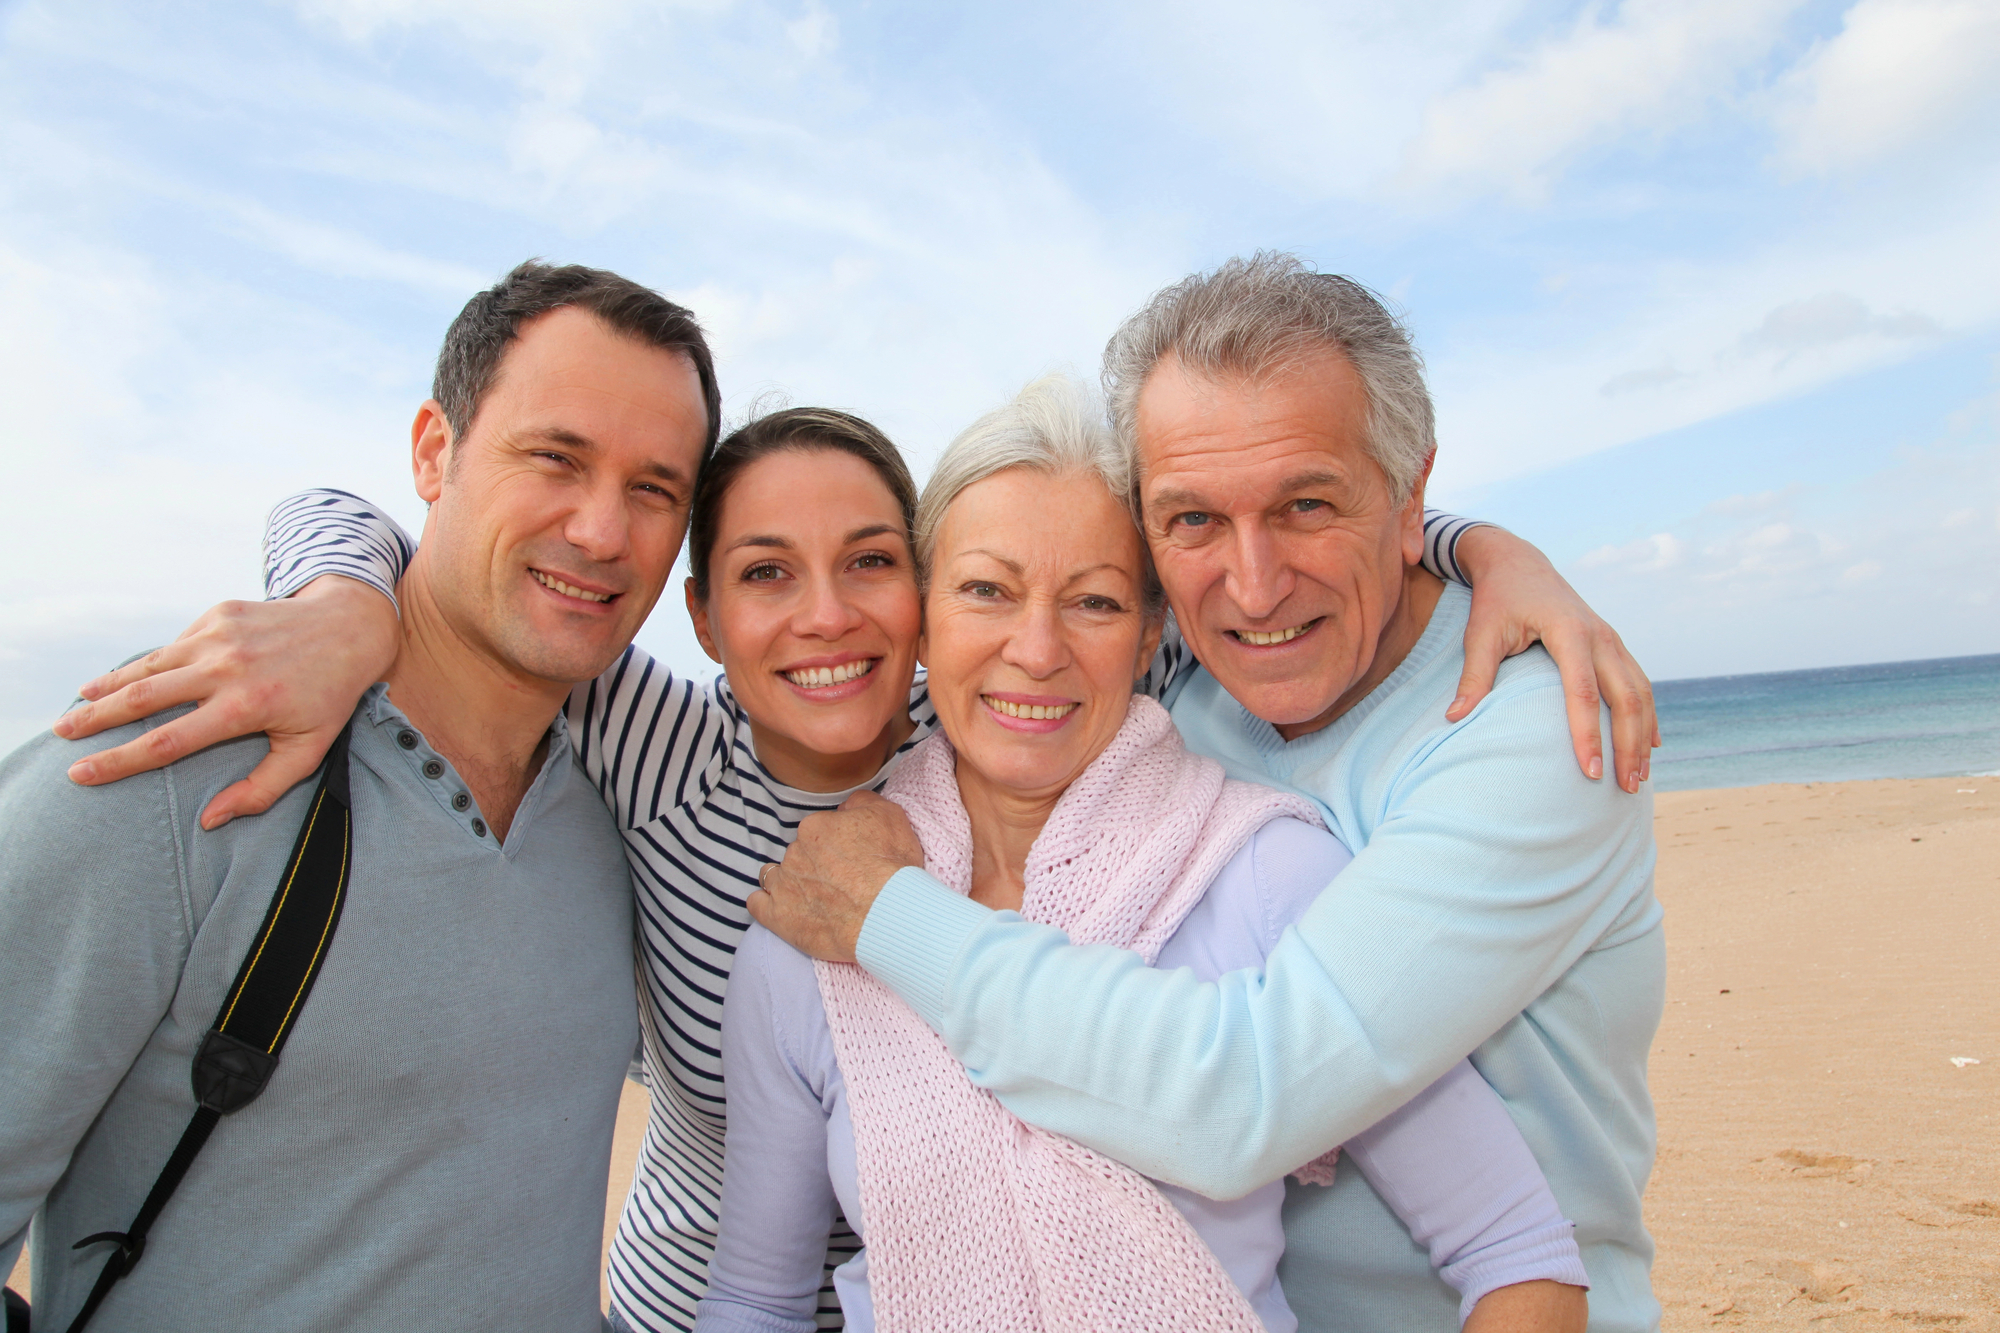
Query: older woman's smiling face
point(1035, 627)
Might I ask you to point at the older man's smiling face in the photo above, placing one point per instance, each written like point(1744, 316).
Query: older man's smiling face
point(1291, 568)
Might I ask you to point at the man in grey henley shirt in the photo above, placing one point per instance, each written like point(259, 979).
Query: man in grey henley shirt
point(431, 1153)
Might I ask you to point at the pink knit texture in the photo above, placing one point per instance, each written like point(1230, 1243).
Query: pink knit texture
point(975, 1219)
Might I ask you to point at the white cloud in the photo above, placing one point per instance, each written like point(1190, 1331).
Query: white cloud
point(1662, 550)
point(1654, 377)
point(1833, 317)
point(1643, 69)
point(1900, 76)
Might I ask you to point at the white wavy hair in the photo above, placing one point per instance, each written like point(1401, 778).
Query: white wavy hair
point(1056, 426)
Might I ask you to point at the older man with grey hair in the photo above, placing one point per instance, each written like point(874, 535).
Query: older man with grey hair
point(1499, 904)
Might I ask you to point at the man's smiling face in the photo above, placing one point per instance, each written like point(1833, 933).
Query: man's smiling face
point(557, 515)
point(1277, 536)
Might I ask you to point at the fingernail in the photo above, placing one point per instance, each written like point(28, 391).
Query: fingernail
point(1596, 769)
point(63, 726)
point(83, 772)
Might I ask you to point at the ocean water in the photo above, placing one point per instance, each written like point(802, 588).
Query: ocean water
point(1925, 719)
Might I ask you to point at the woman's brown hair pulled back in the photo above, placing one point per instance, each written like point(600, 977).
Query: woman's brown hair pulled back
point(796, 430)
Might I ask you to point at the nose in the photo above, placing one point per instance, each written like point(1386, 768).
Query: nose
point(823, 611)
point(1257, 578)
point(1038, 646)
point(600, 526)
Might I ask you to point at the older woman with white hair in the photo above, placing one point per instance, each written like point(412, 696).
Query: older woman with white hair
point(1056, 792)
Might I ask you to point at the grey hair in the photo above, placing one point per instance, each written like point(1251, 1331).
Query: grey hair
point(1055, 426)
point(1261, 316)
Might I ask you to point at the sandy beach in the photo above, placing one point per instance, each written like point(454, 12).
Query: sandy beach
point(1829, 1157)
point(1829, 1152)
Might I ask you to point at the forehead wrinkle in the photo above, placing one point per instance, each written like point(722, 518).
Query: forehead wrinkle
point(1011, 563)
point(1072, 578)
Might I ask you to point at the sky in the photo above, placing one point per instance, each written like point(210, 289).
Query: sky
point(1708, 289)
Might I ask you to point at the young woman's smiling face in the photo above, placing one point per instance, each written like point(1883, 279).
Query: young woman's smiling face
point(813, 612)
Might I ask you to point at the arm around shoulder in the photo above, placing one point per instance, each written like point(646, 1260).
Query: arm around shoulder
point(1497, 865)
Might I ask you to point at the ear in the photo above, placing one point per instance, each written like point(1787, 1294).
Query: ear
point(698, 613)
point(430, 450)
point(1149, 643)
point(1411, 519)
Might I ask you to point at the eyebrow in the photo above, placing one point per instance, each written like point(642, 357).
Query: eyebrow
point(1016, 567)
point(776, 542)
point(652, 467)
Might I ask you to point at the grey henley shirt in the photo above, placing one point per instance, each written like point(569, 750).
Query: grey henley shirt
point(432, 1151)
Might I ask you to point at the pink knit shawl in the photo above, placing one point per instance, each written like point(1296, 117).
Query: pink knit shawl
point(975, 1219)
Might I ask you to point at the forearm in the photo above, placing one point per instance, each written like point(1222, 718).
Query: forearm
point(1532, 1307)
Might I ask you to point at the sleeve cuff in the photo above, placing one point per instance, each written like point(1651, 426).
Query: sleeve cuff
point(913, 935)
point(1441, 534)
point(1547, 1255)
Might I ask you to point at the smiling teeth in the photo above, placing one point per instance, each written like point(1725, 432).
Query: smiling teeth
point(814, 677)
point(551, 581)
point(1035, 712)
point(1251, 636)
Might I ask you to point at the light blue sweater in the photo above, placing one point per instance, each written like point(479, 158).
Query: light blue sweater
point(1499, 904)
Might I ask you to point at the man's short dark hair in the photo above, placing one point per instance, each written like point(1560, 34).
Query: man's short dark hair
point(478, 338)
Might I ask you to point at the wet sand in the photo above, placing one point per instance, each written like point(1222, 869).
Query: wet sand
point(1824, 1164)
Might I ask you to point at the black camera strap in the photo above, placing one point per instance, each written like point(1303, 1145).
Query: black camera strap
point(236, 1058)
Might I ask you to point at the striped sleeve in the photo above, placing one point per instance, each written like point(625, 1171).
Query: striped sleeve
point(1441, 534)
point(331, 532)
point(1173, 663)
